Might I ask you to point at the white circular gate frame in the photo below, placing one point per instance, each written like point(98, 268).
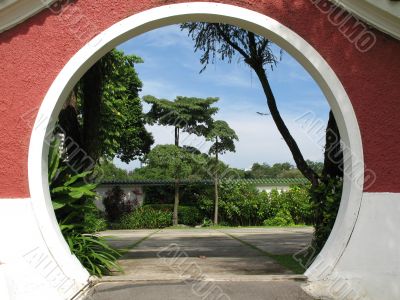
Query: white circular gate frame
point(154, 18)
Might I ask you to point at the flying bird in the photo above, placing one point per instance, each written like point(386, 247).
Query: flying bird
point(262, 114)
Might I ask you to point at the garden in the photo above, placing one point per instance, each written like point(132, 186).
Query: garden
point(103, 120)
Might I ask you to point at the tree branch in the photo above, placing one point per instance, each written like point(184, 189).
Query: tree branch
point(230, 43)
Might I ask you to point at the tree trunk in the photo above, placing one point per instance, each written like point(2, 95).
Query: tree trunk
point(216, 186)
point(333, 156)
point(177, 136)
point(68, 125)
point(175, 220)
point(92, 83)
point(280, 124)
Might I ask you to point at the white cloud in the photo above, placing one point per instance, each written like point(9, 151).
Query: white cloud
point(167, 36)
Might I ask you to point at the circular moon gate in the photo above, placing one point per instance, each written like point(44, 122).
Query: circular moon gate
point(348, 264)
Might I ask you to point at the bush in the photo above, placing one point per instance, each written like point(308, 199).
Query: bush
point(187, 215)
point(146, 218)
point(282, 218)
point(115, 204)
point(94, 219)
point(299, 204)
point(244, 205)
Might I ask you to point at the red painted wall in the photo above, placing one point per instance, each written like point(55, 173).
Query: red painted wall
point(34, 52)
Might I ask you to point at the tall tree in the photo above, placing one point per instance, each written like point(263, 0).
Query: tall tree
point(103, 116)
point(223, 41)
point(223, 138)
point(187, 114)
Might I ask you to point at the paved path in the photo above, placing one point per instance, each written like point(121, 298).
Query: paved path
point(275, 290)
point(232, 259)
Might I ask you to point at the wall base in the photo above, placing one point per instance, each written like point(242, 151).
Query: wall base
point(370, 265)
point(28, 269)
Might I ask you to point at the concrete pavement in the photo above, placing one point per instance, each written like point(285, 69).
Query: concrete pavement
point(169, 290)
point(170, 263)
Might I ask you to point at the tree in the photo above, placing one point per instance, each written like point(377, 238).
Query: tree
point(103, 115)
point(106, 170)
point(170, 161)
point(224, 41)
point(187, 114)
point(223, 138)
point(277, 170)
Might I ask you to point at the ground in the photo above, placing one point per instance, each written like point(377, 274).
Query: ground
point(206, 264)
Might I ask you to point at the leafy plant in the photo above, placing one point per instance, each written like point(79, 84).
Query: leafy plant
point(282, 218)
point(94, 219)
point(93, 252)
point(325, 212)
point(72, 200)
point(146, 218)
point(188, 215)
point(242, 204)
point(206, 222)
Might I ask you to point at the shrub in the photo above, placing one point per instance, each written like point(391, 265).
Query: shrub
point(239, 204)
point(94, 219)
point(187, 215)
point(282, 218)
point(299, 204)
point(146, 218)
point(115, 204)
point(206, 222)
point(242, 204)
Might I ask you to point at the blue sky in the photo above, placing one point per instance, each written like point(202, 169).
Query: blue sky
point(171, 69)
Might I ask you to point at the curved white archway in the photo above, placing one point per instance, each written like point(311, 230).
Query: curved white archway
point(211, 12)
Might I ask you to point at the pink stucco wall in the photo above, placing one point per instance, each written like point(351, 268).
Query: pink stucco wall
point(33, 53)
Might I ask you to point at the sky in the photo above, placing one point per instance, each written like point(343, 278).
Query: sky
point(171, 68)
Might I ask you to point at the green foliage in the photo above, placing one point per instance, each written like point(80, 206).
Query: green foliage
point(94, 220)
point(189, 194)
point(190, 114)
point(169, 162)
point(266, 171)
point(243, 205)
point(69, 192)
point(299, 204)
point(206, 222)
point(115, 205)
point(325, 204)
point(188, 215)
point(146, 218)
point(122, 130)
point(103, 115)
point(223, 137)
point(107, 171)
point(93, 252)
point(72, 200)
point(282, 218)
